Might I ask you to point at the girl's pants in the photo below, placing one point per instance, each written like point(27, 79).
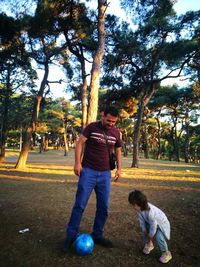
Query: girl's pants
point(99, 181)
point(160, 238)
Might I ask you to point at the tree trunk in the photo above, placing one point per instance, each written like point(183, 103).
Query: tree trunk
point(84, 104)
point(187, 138)
point(46, 142)
point(145, 142)
point(21, 163)
point(3, 144)
point(125, 150)
point(84, 94)
point(125, 141)
point(158, 156)
point(66, 147)
point(4, 133)
point(136, 135)
point(79, 53)
point(20, 139)
point(148, 92)
point(176, 144)
point(95, 72)
point(146, 149)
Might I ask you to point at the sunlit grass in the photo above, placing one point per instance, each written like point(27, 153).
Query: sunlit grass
point(156, 187)
point(12, 152)
point(61, 173)
point(33, 179)
point(165, 175)
point(39, 173)
point(52, 167)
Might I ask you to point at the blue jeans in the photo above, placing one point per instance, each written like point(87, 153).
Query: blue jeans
point(99, 181)
point(160, 238)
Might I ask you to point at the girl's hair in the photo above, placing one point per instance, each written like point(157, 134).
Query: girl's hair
point(137, 197)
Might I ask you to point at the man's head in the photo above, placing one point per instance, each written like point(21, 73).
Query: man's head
point(110, 117)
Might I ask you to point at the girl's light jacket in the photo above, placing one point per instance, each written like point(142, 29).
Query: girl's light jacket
point(155, 218)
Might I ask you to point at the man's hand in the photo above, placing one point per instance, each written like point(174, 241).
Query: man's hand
point(77, 169)
point(117, 175)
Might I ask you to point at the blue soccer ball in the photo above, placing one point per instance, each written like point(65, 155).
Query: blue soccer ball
point(84, 244)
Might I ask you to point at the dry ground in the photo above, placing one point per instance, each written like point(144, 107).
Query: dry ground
point(40, 198)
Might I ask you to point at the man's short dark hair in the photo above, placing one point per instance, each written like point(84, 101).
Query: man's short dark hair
point(112, 111)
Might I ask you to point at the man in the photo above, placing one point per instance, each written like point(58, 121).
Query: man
point(94, 173)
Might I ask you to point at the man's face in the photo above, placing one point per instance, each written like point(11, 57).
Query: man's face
point(109, 121)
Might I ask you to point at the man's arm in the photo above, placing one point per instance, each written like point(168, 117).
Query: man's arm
point(119, 163)
point(78, 154)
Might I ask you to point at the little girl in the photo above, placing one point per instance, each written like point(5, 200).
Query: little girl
point(154, 224)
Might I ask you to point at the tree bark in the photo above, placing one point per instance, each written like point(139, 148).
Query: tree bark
point(66, 146)
point(84, 103)
point(84, 93)
point(144, 100)
point(20, 139)
point(146, 147)
point(21, 163)
point(176, 140)
point(4, 133)
point(95, 72)
point(158, 156)
point(136, 135)
point(187, 138)
point(79, 53)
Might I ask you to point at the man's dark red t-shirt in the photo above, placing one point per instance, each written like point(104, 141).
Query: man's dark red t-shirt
point(96, 152)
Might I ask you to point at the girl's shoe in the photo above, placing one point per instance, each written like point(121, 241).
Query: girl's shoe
point(166, 257)
point(148, 248)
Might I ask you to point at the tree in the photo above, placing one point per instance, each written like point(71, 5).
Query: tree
point(195, 144)
point(189, 103)
point(78, 34)
point(43, 48)
point(95, 72)
point(86, 42)
point(61, 120)
point(16, 71)
point(178, 107)
point(138, 56)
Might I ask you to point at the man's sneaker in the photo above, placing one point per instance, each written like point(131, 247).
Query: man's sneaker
point(166, 257)
point(103, 242)
point(148, 248)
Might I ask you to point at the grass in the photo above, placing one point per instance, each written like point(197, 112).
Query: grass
point(40, 197)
